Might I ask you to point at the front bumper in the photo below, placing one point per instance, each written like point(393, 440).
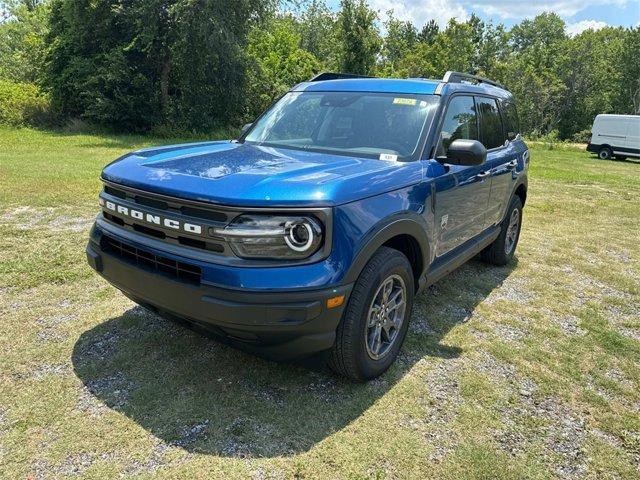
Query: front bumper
point(277, 324)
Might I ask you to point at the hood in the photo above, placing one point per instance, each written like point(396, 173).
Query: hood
point(241, 174)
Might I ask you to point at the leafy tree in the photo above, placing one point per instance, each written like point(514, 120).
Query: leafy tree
point(136, 65)
point(534, 71)
point(401, 37)
point(22, 40)
point(359, 37)
point(317, 26)
point(429, 32)
point(629, 61)
point(279, 63)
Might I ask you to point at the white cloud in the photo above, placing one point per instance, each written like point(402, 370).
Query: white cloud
point(420, 12)
point(577, 28)
point(518, 9)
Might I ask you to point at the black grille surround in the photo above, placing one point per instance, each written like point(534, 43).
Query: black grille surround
point(206, 215)
point(183, 272)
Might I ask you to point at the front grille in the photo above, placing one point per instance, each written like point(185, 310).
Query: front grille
point(180, 271)
point(172, 208)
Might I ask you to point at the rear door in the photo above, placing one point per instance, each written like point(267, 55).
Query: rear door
point(501, 157)
point(632, 141)
point(462, 193)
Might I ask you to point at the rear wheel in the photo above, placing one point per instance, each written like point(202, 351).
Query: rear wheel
point(376, 319)
point(501, 251)
point(605, 153)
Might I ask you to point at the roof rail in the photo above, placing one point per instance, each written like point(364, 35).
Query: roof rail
point(459, 77)
point(335, 76)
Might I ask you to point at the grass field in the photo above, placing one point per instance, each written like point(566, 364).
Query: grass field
point(526, 371)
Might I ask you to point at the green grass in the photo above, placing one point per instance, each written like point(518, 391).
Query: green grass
point(524, 371)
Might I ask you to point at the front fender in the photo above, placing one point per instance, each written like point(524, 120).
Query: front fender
point(402, 223)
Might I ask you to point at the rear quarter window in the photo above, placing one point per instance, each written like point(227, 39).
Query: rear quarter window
point(510, 118)
point(491, 131)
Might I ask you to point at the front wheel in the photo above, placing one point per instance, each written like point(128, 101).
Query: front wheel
point(605, 153)
point(376, 319)
point(501, 251)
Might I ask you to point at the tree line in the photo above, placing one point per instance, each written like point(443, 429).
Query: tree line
point(186, 66)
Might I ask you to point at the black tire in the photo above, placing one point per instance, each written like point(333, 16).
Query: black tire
point(350, 355)
point(605, 153)
point(501, 251)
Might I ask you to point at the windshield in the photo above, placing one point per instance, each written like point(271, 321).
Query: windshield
point(379, 125)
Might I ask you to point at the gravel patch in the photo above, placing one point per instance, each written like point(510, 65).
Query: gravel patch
point(419, 322)
point(508, 332)
point(622, 256)
point(100, 347)
point(629, 333)
point(570, 325)
point(150, 465)
point(45, 370)
point(606, 437)
point(113, 391)
point(562, 432)
point(512, 289)
point(51, 335)
point(490, 366)
point(56, 320)
point(441, 409)
point(323, 387)
point(588, 289)
point(190, 434)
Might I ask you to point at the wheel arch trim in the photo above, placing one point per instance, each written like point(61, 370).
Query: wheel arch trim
point(404, 224)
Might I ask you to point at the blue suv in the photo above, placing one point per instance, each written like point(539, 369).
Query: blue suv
point(314, 231)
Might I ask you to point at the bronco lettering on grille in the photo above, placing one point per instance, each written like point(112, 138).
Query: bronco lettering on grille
point(152, 219)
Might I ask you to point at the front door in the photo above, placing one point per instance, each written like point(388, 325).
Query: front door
point(462, 193)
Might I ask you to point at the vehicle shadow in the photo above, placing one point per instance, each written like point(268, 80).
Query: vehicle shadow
point(205, 397)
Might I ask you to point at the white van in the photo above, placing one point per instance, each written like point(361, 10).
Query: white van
point(615, 135)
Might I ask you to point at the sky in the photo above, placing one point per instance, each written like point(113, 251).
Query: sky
point(579, 15)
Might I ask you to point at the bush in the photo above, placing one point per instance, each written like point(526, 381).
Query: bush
point(583, 136)
point(23, 104)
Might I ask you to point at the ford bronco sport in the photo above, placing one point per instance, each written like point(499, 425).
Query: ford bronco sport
point(314, 231)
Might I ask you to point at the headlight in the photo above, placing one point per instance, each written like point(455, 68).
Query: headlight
point(273, 237)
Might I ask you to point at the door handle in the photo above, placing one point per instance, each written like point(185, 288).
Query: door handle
point(484, 174)
point(512, 164)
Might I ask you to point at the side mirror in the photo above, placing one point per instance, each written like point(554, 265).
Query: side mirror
point(245, 128)
point(511, 136)
point(466, 152)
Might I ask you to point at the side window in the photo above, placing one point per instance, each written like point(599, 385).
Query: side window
point(510, 119)
point(490, 123)
point(460, 122)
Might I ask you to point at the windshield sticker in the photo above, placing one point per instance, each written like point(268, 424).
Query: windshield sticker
point(404, 101)
point(388, 157)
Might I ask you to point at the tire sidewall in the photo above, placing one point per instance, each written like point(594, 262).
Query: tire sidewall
point(369, 367)
point(515, 203)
